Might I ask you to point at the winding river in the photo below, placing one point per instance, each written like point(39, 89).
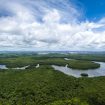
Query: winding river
point(69, 71)
point(77, 73)
point(18, 68)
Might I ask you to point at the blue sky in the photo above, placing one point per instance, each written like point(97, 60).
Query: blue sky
point(93, 9)
point(52, 25)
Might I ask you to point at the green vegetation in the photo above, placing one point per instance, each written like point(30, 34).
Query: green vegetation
point(83, 65)
point(45, 86)
point(73, 101)
point(84, 75)
point(32, 61)
point(89, 57)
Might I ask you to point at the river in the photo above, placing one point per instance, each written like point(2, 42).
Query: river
point(77, 73)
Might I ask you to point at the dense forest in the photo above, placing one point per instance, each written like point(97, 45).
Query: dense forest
point(45, 86)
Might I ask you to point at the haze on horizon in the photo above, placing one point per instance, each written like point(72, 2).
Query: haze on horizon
point(51, 25)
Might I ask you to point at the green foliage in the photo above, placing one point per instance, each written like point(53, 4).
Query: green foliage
point(73, 101)
point(83, 65)
point(88, 57)
point(32, 61)
point(45, 86)
point(84, 74)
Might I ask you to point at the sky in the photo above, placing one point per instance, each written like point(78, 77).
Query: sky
point(52, 25)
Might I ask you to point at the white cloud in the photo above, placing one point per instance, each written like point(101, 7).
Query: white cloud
point(38, 26)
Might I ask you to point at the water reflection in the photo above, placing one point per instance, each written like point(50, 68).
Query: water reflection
point(3, 67)
point(77, 73)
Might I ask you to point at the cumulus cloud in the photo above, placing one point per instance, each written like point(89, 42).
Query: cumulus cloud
point(47, 25)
